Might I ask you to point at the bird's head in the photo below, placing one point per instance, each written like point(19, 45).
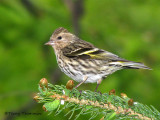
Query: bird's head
point(61, 38)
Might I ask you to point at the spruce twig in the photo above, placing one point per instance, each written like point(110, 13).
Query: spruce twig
point(107, 104)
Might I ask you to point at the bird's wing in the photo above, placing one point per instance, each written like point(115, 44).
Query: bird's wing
point(77, 48)
point(88, 51)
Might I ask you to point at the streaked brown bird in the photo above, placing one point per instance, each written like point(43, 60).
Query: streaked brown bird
point(84, 62)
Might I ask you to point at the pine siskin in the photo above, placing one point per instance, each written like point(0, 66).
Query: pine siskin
point(84, 62)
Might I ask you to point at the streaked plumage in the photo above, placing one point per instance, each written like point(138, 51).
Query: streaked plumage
point(84, 62)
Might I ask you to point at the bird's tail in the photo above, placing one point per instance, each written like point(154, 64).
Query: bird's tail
point(134, 65)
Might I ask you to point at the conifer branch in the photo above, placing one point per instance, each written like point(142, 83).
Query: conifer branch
point(107, 104)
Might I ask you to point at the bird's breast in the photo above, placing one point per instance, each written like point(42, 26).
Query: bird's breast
point(77, 69)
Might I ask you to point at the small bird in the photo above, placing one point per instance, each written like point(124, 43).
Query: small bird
point(84, 62)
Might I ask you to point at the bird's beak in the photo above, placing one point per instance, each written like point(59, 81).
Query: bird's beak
point(50, 43)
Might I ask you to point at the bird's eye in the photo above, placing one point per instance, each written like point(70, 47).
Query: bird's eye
point(59, 38)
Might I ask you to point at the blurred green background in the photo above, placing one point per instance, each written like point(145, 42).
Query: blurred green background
point(129, 28)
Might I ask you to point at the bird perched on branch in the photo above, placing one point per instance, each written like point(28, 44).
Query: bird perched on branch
point(84, 62)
